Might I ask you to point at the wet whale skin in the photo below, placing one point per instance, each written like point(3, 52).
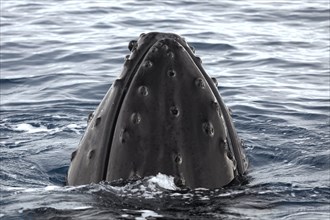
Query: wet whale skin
point(164, 114)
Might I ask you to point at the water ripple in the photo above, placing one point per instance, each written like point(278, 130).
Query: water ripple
point(58, 59)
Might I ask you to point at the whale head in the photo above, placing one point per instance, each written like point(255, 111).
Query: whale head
point(163, 114)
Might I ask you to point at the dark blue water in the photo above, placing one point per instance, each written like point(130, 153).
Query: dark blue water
point(58, 59)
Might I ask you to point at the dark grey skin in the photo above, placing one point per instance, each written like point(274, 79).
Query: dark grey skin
point(163, 115)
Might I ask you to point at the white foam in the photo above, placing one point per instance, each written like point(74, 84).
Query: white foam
point(63, 205)
point(82, 207)
point(163, 181)
point(12, 188)
point(28, 128)
point(147, 213)
point(74, 127)
point(37, 189)
point(57, 116)
point(17, 76)
point(52, 188)
point(204, 198)
point(201, 189)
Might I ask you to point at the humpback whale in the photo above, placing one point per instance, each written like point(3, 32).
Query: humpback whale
point(163, 114)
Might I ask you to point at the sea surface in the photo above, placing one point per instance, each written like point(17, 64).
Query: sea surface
point(271, 59)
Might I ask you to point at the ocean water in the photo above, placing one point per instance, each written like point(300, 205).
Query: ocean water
point(271, 59)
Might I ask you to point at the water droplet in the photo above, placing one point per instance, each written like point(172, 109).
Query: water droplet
point(208, 128)
point(165, 47)
point(200, 83)
point(174, 111)
point(171, 73)
point(242, 143)
point(147, 64)
point(136, 118)
point(90, 154)
point(143, 90)
point(132, 45)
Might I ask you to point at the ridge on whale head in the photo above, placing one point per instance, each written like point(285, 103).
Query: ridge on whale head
point(163, 115)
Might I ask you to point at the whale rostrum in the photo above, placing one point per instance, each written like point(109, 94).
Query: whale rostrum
point(164, 114)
